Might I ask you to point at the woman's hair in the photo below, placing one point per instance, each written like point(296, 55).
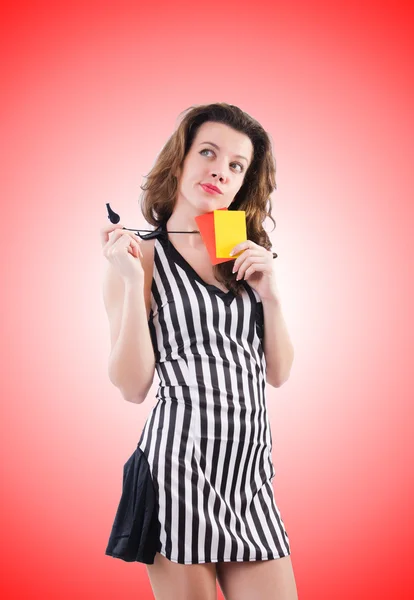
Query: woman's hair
point(160, 190)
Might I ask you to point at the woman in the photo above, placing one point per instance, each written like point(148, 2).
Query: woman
point(197, 501)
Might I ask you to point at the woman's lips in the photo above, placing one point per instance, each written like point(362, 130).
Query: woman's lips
point(208, 189)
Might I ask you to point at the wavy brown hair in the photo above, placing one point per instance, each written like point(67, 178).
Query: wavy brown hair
point(160, 190)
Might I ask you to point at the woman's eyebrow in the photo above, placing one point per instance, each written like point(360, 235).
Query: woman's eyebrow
point(218, 148)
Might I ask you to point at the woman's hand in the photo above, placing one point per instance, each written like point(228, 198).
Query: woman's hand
point(255, 264)
point(123, 252)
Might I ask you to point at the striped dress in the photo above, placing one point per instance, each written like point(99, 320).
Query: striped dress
point(198, 488)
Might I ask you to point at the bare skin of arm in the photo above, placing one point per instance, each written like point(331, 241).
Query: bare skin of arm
point(131, 362)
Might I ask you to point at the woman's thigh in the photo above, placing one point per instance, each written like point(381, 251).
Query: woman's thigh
point(265, 579)
point(175, 581)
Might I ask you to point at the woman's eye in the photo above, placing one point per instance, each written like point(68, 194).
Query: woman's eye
point(239, 164)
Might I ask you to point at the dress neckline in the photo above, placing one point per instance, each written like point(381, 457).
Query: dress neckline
point(179, 259)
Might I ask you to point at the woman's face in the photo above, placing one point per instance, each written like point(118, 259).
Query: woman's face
point(219, 156)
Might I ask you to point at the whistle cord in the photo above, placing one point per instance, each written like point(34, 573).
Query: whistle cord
point(152, 233)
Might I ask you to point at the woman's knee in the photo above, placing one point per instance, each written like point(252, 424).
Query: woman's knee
point(175, 581)
point(265, 579)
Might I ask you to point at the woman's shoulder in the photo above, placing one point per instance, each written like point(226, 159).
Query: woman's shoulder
point(147, 249)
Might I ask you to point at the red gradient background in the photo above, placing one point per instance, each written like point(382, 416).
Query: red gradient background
point(90, 93)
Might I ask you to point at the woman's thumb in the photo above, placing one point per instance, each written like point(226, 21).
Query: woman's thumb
point(137, 250)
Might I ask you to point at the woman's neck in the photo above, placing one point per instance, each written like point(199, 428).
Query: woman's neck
point(184, 223)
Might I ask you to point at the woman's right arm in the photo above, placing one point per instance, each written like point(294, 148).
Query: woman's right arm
point(132, 361)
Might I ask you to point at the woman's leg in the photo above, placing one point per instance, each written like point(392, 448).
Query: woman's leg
point(175, 581)
point(265, 579)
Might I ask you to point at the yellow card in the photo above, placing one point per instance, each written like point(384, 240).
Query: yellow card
point(230, 230)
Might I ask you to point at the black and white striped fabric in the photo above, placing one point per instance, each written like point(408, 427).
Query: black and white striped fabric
point(207, 440)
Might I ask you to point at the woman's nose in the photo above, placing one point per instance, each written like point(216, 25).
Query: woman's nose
point(218, 173)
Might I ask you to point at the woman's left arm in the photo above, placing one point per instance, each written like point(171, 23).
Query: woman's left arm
point(278, 346)
point(255, 265)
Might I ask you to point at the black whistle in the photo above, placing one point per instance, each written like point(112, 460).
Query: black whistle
point(115, 218)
